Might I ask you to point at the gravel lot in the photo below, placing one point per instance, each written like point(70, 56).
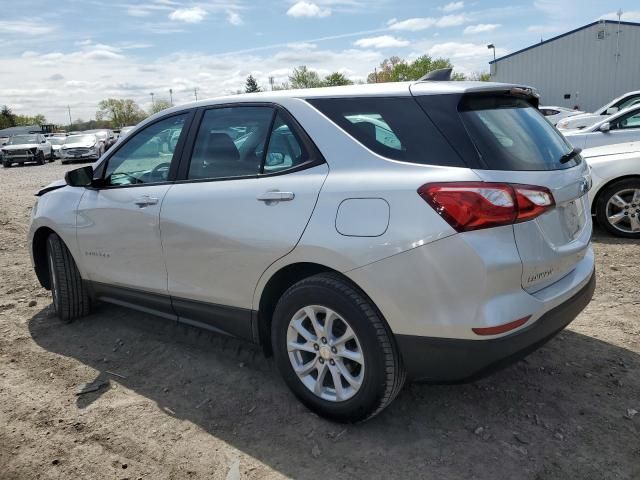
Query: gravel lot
point(179, 404)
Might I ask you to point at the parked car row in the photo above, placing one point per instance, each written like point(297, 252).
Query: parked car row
point(69, 147)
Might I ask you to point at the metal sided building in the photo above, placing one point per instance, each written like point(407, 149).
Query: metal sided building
point(587, 67)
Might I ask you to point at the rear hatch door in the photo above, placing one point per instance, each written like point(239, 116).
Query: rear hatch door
point(516, 145)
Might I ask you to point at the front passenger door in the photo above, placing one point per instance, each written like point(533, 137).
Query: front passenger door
point(118, 224)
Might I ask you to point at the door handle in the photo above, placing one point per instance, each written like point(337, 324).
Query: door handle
point(276, 196)
point(145, 201)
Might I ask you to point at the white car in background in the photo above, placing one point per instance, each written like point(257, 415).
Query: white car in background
point(31, 147)
point(621, 127)
point(554, 114)
point(84, 147)
point(56, 142)
point(615, 194)
point(587, 119)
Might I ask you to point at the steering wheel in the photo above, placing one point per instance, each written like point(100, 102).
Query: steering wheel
point(161, 170)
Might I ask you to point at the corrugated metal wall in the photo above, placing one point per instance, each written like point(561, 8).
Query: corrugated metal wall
point(580, 65)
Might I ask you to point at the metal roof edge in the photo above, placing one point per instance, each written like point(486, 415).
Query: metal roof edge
point(562, 35)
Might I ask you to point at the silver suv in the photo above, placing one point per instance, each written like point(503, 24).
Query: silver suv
point(362, 235)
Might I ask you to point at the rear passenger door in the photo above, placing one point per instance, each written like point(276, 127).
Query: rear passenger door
point(243, 199)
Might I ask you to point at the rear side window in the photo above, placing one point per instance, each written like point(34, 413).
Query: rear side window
point(393, 127)
point(510, 134)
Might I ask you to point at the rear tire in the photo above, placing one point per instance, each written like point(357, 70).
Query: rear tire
point(370, 383)
point(70, 297)
point(618, 208)
point(6, 164)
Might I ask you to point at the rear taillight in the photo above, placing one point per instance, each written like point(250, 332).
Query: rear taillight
point(475, 205)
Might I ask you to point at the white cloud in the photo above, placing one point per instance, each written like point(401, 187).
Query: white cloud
point(631, 16)
point(308, 9)
point(188, 15)
point(89, 79)
point(481, 28)
point(452, 7)
point(383, 41)
point(234, 18)
point(24, 27)
point(423, 23)
point(451, 21)
point(465, 56)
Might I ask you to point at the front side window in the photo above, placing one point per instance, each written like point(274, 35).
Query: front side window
point(627, 121)
point(147, 156)
point(285, 150)
point(627, 102)
point(230, 142)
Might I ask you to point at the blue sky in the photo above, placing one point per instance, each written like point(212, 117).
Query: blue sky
point(73, 52)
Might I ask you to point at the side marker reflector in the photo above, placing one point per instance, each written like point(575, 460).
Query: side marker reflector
point(498, 329)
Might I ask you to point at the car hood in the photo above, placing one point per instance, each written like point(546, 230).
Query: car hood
point(52, 186)
point(56, 147)
point(23, 146)
point(582, 120)
point(615, 149)
point(80, 145)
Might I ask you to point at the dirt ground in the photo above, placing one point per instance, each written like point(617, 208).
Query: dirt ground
point(179, 404)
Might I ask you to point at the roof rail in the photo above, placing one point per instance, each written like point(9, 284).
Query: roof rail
point(440, 75)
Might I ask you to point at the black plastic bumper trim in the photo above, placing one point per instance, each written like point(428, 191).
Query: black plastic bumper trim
point(447, 360)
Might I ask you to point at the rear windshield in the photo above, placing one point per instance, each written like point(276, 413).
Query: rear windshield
point(510, 134)
point(394, 127)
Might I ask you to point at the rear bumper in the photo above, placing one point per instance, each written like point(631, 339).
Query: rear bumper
point(446, 360)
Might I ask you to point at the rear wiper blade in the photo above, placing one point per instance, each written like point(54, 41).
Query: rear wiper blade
point(569, 156)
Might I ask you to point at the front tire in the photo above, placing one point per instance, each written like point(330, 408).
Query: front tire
point(618, 208)
point(334, 350)
point(70, 297)
point(40, 160)
point(6, 164)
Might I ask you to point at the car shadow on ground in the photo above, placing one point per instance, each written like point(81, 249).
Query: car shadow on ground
point(557, 414)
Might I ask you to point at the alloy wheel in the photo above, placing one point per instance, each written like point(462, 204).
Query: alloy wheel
point(325, 353)
point(623, 210)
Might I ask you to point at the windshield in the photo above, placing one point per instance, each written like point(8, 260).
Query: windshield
point(510, 134)
point(22, 139)
point(91, 139)
point(56, 140)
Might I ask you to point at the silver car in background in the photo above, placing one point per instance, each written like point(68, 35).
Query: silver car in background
point(620, 127)
point(83, 147)
point(362, 235)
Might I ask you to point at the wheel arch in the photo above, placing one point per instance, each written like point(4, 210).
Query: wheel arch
point(606, 185)
point(275, 287)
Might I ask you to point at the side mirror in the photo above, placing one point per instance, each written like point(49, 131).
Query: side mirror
point(80, 177)
point(605, 127)
point(612, 110)
point(43, 141)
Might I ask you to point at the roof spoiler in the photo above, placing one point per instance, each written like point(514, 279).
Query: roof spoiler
point(440, 75)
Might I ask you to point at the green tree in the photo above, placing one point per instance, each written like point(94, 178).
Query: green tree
point(480, 77)
point(7, 117)
point(396, 69)
point(302, 77)
point(251, 85)
point(158, 106)
point(119, 112)
point(335, 79)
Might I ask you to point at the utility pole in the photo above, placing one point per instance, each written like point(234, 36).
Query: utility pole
point(375, 74)
point(171, 96)
point(195, 93)
point(271, 82)
point(152, 102)
point(69, 110)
